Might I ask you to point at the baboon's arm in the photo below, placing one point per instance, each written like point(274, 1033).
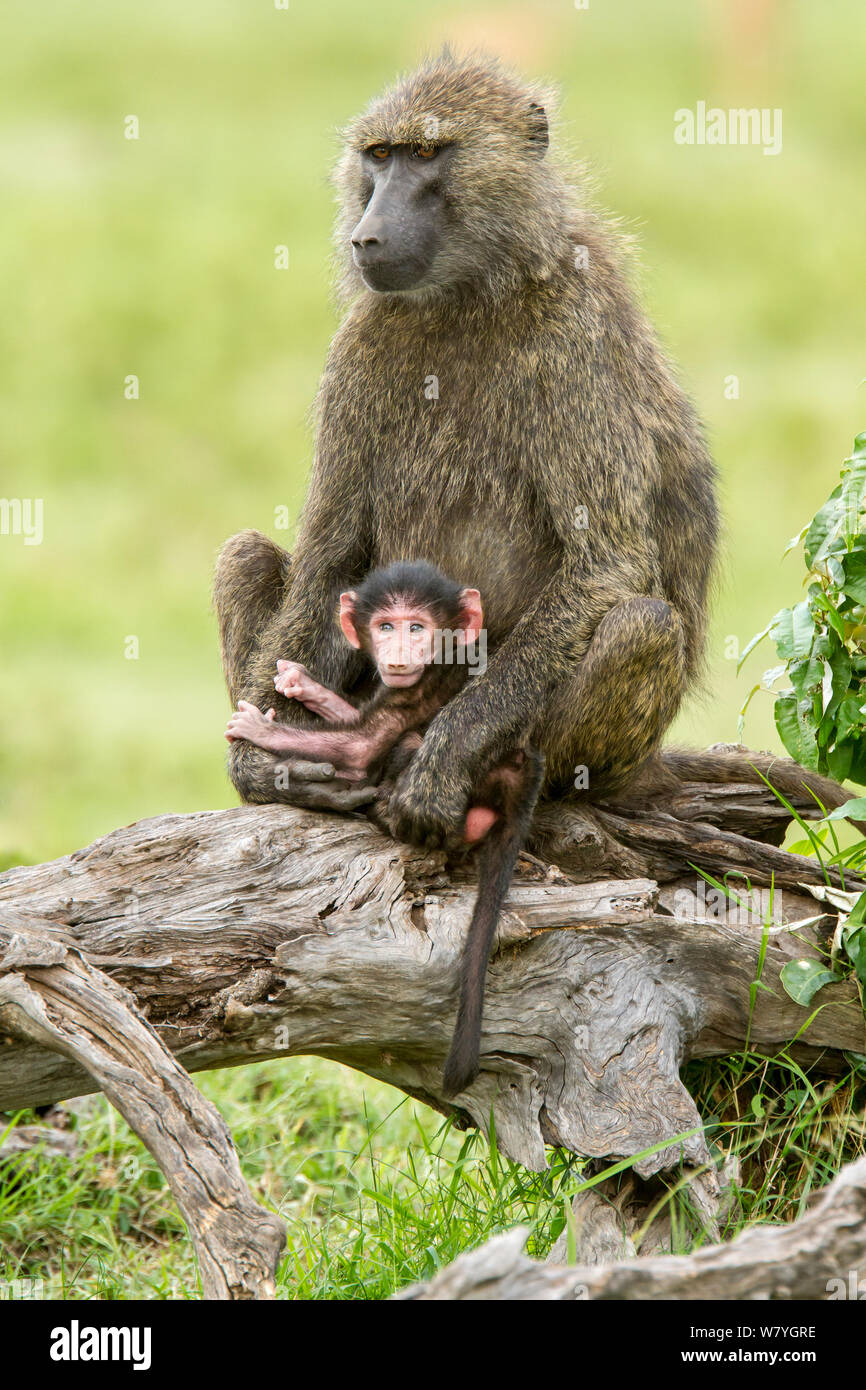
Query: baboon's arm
point(331, 554)
point(542, 651)
point(354, 751)
point(327, 705)
point(600, 567)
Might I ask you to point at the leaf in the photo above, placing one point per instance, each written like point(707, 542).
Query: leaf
point(795, 540)
point(826, 688)
point(853, 491)
point(839, 760)
point(854, 582)
point(855, 808)
point(803, 847)
point(824, 530)
point(793, 630)
point(770, 677)
point(858, 763)
point(839, 898)
point(798, 738)
point(808, 675)
point(848, 716)
point(840, 665)
point(857, 915)
point(836, 946)
point(854, 940)
point(758, 637)
point(803, 978)
point(799, 672)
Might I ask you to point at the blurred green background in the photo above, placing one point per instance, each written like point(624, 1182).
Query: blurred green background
point(156, 257)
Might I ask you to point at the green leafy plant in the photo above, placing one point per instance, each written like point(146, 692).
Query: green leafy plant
point(821, 641)
point(803, 979)
point(821, 717)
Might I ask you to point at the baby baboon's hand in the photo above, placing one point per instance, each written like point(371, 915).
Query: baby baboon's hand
point(248, 722)
point(294, 681)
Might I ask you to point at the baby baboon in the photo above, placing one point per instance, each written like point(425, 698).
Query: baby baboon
point(400, 618)
point(494, 403)
point(397, 616)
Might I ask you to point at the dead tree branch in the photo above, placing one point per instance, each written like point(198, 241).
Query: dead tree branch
point(267, 931)
point(225, 937)
point(51, 998)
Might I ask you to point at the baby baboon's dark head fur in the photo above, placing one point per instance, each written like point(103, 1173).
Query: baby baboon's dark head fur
point(502, 206)
point(408, 582)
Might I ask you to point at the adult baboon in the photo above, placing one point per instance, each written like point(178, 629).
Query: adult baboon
point(493, 403)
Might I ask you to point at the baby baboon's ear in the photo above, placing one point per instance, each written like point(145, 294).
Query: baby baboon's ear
point(538, 131)
point(347, 617)
point(471, 614)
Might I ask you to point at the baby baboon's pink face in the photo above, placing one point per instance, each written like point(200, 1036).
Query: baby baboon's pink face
point(402, 639)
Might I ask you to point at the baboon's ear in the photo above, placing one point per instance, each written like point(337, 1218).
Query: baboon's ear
point(347, 617)
point(538, 130)
point(471, 614)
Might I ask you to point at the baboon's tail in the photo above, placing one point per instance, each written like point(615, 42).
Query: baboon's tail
point(498, 858)
point(499, 854)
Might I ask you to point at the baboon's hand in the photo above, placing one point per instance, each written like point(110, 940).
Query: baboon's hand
point(317, 787)
point(265, 777)
point(426, 808)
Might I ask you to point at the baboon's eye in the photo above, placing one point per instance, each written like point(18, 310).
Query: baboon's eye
point(425, 151)
point(379, 151)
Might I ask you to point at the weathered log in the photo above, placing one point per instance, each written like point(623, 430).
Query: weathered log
point(53, 999)
point(823, 1254)
point(267, 931)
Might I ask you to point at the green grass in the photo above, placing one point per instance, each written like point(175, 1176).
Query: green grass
point(155, 257)
point(375, 1191)
point(374, 1195)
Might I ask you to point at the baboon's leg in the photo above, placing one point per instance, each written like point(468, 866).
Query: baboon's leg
point(252, 575)
point(613, 714)
point(249, 586)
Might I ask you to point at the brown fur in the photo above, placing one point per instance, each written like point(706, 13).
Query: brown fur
point(553, 396)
